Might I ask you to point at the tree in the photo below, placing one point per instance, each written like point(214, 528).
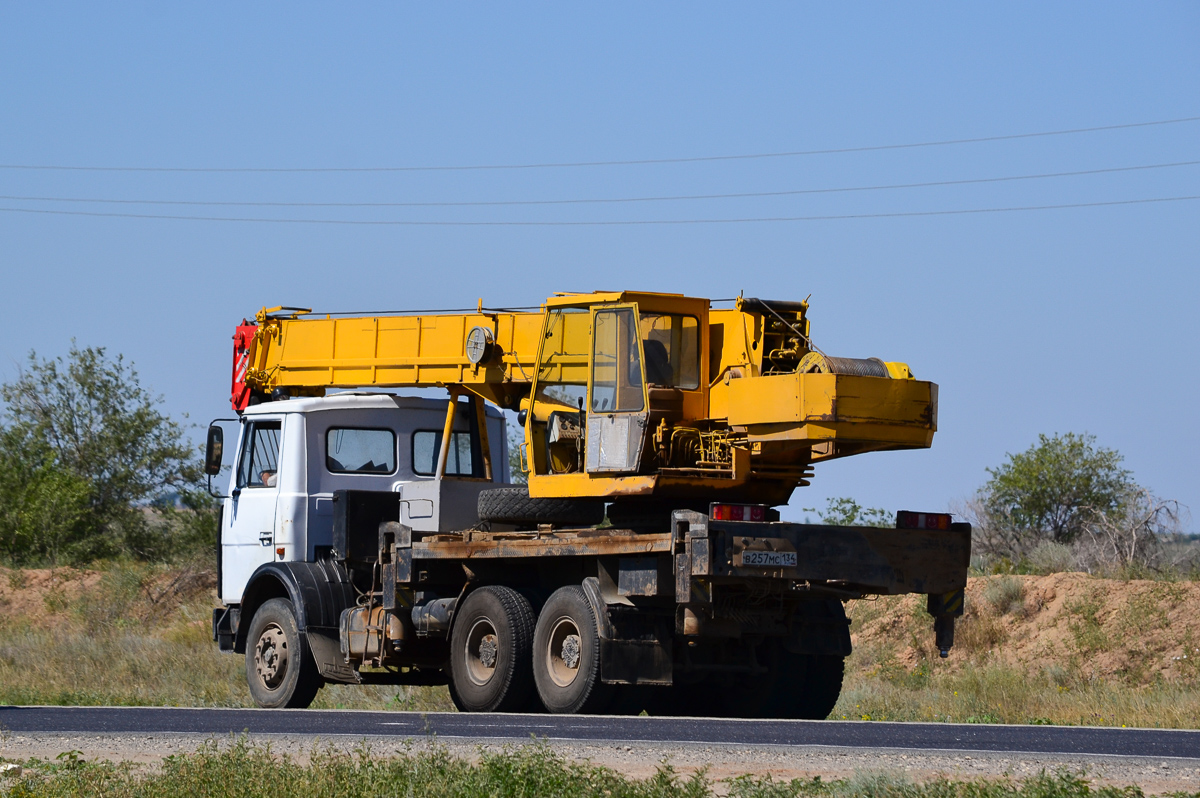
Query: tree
point(43, 508)
point(1053, 489)
point(84, 449)
point(516, 439)
point(844, 511)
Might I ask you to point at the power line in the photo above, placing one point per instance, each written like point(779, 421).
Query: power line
point(498, 203)
point(572, 164)
point(612, 223)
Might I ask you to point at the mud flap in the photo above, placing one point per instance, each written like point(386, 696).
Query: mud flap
point(327, 653)
point(635, 648)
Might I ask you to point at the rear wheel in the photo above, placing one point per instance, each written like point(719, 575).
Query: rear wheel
point(279, 667)
point(751, 695)
point(566, 654)
point(490, 647)
point(808, 685)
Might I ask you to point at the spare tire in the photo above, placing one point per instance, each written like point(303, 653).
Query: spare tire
point(515, 506)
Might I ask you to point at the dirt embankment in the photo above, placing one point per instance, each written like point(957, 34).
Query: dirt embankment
point(1136, 631)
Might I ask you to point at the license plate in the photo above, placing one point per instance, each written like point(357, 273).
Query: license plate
point(769, 559)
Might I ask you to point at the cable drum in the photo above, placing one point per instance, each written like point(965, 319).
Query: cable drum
point(816, 363)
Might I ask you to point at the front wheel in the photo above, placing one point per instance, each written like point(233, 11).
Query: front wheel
point(279, 667)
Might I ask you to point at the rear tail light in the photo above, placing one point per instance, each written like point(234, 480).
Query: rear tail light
point(737, 512)
point(906, 519)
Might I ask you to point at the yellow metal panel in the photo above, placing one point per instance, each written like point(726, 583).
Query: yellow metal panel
point(308, 340)
point(399, 338)
point(568, 485)
point(839, 399)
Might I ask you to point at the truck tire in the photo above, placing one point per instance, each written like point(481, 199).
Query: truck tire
point(490, 649)
point(566, 654)
point(515, 506)
point(808, 686)
point(279, 667)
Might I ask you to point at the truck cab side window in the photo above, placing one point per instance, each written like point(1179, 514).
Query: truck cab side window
point(258, 466)
point(427, 445)
point(351, 450)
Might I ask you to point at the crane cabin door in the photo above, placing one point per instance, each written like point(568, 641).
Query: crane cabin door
point(618, 412)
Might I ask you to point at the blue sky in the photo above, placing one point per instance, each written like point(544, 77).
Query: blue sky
point(1061, 320)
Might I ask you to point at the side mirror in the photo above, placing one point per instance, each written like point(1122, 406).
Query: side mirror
point(213, 450)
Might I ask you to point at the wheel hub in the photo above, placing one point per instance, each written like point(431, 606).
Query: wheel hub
point(271, 656)
point(570, 651)
point(487, 651)
point(483, 652)
point(564, 652)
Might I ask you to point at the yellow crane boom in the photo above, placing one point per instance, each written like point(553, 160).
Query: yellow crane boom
point(620, 394)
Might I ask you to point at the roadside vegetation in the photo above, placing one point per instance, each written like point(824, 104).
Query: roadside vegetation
point(242, 769)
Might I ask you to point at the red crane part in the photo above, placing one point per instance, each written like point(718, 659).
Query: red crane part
point(240, 392)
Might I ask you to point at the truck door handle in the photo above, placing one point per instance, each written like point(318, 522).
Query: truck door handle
point(265, 538)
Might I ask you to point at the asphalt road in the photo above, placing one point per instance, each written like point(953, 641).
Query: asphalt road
point(849, 734)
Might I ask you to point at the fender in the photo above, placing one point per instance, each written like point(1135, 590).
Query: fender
point(319, 591)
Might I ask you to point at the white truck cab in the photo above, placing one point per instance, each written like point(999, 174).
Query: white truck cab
point(292, 455)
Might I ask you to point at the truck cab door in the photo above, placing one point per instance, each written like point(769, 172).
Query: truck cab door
point(618, 413)
point(248, 520)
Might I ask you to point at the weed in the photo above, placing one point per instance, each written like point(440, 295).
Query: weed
point(1006, 594)
point(1087, 631)
point(979, 633)
point(16, 579)
point(55, 602)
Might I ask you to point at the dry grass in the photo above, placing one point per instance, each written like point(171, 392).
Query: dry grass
point(138, 635)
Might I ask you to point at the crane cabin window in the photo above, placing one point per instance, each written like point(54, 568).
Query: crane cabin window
point(616, 364)
point(351, 450)
point(427, 445)
point(259, 463)
point(671, 344)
